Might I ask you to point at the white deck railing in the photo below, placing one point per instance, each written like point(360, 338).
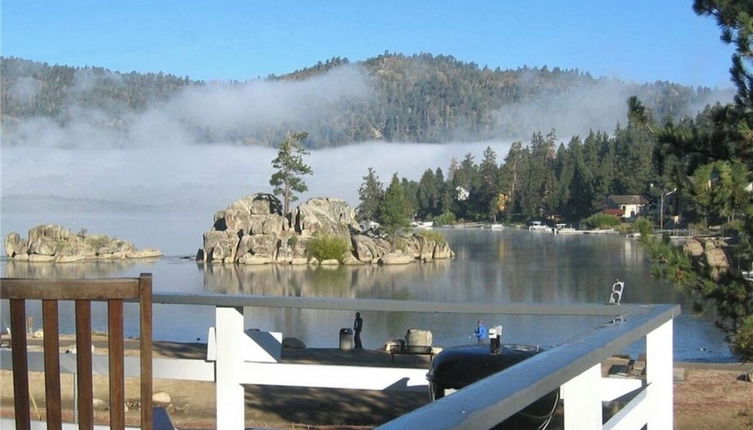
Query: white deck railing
point(573, 367)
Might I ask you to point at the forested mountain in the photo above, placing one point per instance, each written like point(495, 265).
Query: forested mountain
point(38, 89)
point(419, 98)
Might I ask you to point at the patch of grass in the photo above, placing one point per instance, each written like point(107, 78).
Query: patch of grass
point(328, 247)
point(433, 235)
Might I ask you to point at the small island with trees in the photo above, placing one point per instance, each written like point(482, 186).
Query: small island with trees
point(260, 229)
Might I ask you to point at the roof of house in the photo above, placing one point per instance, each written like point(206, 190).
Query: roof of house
point(628, 199)
point(615, 212)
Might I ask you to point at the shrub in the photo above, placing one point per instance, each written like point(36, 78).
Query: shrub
point(602, 221)
point(327, 247)
point(743, 338)
point(643, 225)
point(447, 218)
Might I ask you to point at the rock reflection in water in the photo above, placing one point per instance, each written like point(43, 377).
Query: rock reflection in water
point(88, 269)
point(368, 281)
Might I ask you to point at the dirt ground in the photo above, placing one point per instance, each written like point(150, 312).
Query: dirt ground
point(708, 396)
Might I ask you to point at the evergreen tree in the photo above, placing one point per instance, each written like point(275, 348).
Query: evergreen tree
point(486, 191)
point(290, 167)
point(370, 193)
point(394, 210)
point(735, 18)
point(410, 189)
point(510, 176)
point(444, 188)
point(463, 180)
point(427, 195)
point(715, 151)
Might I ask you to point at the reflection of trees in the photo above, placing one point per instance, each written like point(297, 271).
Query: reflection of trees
point(89, 269)
point(368, 281)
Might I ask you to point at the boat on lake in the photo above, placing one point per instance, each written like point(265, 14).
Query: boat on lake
point(537, 226)
point(565, 229)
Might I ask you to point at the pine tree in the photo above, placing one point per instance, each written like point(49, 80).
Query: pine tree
point(427, 195)
point(510, 175)
point(394, 210)
point(370, 193)
point(290, 167)
point(486, 191)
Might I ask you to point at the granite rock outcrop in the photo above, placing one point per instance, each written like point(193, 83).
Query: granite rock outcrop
point(253, 230)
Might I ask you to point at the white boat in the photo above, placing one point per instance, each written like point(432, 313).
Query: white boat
point(537, 226)
point(496, 227)
point(564, 229)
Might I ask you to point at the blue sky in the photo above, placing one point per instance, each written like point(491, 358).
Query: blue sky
point(638, 40)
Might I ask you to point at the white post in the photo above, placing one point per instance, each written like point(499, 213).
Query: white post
point(582, 397)
point(229, 392)
point(659, 377)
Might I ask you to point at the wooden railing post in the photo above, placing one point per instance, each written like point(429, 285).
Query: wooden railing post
point(230, 393)
point(20, 365)
point(145, 353)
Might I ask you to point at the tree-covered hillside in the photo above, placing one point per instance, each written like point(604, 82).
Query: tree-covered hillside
point(39, 89)
point(419, 98)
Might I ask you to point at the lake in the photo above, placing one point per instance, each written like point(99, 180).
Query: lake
point(499, 266)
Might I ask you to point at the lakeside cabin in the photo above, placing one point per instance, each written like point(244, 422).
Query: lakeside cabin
point(625, 206)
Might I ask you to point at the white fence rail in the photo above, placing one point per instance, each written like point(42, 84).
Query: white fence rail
point(574, 367)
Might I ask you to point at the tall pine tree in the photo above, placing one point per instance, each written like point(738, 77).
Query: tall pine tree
point(290, 167)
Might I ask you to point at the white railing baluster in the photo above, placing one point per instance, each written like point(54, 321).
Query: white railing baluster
point(229, 391)
point(659, 377)
point(582, 397)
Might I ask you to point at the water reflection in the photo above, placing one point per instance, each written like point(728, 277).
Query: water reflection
point(368, 281)
point(88, 269)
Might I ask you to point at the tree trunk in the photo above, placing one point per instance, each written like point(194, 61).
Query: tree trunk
point(286, 200)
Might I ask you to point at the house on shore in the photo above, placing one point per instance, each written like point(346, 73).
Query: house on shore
point(626, 206)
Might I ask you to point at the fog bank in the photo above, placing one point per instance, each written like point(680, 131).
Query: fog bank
point(170, 186)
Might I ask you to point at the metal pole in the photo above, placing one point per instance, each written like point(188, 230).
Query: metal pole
point(661, 213)
point(75, 397)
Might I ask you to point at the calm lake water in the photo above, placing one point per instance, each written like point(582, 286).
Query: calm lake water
point(500, 266)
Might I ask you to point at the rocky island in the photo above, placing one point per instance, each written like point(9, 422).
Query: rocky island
point(253, 230)
point(54, 243)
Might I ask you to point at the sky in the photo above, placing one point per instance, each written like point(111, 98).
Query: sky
point(636, 40)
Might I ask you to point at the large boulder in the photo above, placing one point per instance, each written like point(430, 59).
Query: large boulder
point(396, 257)
point(418, 337)
point(325, 215)
point(709, 252)
point(442, 251)
point(253, 214)
point(261, 245)
point(694, 247)
point(15, 245)
point(717, 260)
point(369, 249)
point(221, 246)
